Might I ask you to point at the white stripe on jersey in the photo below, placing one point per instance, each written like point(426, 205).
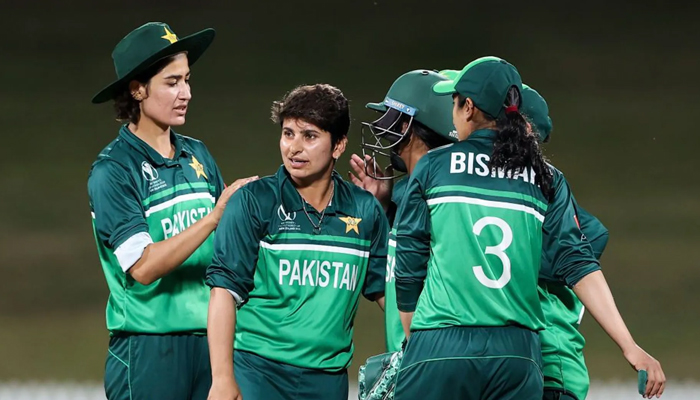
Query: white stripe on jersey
point(314, 247)
point(392, 243)
point(180, 199)
point(580, 316)
point(486, 203)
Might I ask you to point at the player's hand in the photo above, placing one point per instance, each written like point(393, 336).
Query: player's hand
point(225, 389)
point(641, 360)
point(226, 194)
point(381, 189)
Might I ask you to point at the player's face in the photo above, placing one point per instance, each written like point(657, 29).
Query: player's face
point(306, 150)
point(168, 94)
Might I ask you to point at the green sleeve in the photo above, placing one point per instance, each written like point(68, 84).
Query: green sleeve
point(595, 231)
point(567, 255)
point(236, 245)
point(376, 269)
point(116, 203)
point(412, 239)
point(396, 194)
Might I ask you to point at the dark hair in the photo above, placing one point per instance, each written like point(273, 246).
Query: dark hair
point(516, 149)
point(126, 107)
point(395, 119)
point(322, 105)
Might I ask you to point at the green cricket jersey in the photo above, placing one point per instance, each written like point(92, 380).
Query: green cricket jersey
point(298, 291)
point(562, 343)
point(138, 197)
point(488, 274)
point(392, 321)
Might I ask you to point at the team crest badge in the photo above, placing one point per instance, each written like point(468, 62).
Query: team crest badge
point(351, 224)
point(198, 168)
point(169, 36)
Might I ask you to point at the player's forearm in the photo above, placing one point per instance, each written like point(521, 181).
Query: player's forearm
point(161, 258)
point(221, 326)
point(594, 293)
point(406, 319)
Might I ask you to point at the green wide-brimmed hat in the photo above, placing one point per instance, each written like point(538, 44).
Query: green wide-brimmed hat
point(146, 45)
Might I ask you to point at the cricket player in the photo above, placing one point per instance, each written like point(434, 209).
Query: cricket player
point(156, 197)
point(496, 182)
point(414, 120)
point(469, 240)
point(564, 368)
point(293, 253)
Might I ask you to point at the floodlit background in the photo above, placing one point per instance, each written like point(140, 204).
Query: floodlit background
point(621, 82)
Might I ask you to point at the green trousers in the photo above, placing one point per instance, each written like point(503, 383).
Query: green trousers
point(471, 363)
point(558, 394)
point(157, 367)
point(262, 379)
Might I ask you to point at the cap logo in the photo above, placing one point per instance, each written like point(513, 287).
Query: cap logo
point(169, 36)
point(399, 106)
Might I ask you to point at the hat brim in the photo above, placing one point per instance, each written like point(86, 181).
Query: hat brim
point(377, 107)
point(451, 74)
point(194, 45)
point(444, 88)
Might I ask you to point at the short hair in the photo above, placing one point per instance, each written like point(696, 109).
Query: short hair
point(322, 105)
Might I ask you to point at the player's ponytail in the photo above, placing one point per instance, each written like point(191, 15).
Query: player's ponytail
point(516, 149)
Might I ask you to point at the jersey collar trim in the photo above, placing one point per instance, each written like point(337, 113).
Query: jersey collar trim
point(148, 151)
point(292, 201)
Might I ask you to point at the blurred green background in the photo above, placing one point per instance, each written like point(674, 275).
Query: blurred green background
point(621, 82)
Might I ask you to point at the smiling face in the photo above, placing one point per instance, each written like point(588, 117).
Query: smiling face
point(307, 150)
point(167, 94)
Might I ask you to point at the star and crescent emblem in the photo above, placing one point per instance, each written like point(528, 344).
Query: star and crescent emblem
point(351, 224)
point(198, 168)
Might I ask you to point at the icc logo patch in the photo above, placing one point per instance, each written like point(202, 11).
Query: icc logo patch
point(149, 173)
point(284, 216)
point(287, 220)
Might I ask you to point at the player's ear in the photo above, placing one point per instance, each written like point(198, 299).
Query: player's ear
point(138, 90)
point(469, 109)
point(339, 147)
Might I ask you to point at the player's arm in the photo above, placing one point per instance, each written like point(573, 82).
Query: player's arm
point(375, 281)
point(221, 327)
point(231, 277)
point(595, 294)
point(120, 221)
point(574, 263)
point(412, 244)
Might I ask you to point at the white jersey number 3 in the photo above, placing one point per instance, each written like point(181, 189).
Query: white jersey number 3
point(497, 251)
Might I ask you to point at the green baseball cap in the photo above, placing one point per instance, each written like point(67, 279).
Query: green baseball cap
point(486, 81)
point(412, 93)
point(146, 45)
point(450, 74)
point(535, 107)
